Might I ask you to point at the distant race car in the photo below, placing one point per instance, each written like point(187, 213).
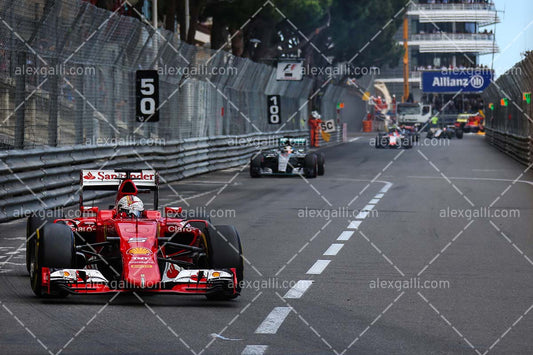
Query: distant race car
point(413, 130)
point(128, 248)
point(470, 123)
point(396, 139)
point(448, 132)
point(290, 158)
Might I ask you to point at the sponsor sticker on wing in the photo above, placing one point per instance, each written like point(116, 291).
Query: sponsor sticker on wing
point(171, 272)
point(112, 177)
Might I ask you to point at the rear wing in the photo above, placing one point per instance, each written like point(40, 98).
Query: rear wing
point(111, 180)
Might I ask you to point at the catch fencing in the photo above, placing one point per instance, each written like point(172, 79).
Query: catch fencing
point(510, 127)
point(67, 76)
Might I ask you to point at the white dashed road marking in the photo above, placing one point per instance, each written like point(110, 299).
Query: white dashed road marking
point(318, 267)
point(354, 224)
point(299, 289)
point(254, 349)
point(361, 215)
point(333, 249)
point(346, 235)
point(386, 187)
point(277, 316)
point(273, 321)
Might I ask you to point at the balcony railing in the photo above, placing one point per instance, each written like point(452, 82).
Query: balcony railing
point(482, 14)
point(458, 7)
point(443, 36)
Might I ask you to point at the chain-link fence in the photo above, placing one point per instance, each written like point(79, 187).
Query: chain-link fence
point(516, 116)
point(509, 119)
point(67, 76)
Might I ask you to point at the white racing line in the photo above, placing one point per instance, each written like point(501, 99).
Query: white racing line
point(275, 318)
point(473, 179)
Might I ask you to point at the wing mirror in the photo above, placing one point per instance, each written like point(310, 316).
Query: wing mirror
point(89, 209)
point(172, 211)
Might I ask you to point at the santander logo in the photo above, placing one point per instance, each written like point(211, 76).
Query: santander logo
point(89, 176)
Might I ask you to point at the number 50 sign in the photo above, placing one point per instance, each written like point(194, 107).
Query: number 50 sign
point(147, 94)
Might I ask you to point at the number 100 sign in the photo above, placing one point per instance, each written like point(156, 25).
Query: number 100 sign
point(274, 109)
point(147, 95)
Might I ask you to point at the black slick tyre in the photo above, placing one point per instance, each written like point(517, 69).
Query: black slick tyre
point(54, 249)
point(321, 161)
point(255, 165)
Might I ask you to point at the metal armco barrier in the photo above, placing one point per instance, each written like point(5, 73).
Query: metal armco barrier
point(510, 127)
point(518, 147)
point(47, 178)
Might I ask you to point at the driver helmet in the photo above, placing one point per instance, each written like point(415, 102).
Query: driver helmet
point(315, 115)
point(131, 205)
point(287, 149)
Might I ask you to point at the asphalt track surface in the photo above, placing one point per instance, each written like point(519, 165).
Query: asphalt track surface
point(317, 285)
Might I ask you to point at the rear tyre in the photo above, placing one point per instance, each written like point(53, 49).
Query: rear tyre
point(321, 160)
point(54, 248)
point(33, 223)
point(378, 141)
point(449, 134)
point(225, 252)
point(429, 135)
point(310, 166)
point(459, 134)
point(255, 166)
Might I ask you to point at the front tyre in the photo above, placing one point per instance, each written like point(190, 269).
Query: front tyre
point(33, 223)
point(225, 252)
point(54, 248)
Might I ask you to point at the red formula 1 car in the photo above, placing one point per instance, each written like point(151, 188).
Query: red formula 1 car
point(470, 123)
point(127, 248)
point(395, 138)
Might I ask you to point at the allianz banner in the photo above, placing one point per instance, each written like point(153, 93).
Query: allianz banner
point(453, 81)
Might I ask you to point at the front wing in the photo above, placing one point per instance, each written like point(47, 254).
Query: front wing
point(90, 281)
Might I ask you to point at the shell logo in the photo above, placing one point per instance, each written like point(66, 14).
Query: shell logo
point(139, 251)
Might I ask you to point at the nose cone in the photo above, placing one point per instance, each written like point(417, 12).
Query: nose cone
point(138, 245)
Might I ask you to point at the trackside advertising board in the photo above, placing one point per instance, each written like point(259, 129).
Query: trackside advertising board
point(289, 70)
point(449, 81)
